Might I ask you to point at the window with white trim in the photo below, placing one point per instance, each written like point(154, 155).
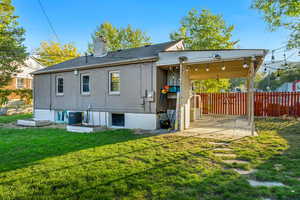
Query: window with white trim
point(59, 85)
point(114, 82)
point(20, 83)
point(85, 84)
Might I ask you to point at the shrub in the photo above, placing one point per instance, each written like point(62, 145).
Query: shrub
point(24, 94)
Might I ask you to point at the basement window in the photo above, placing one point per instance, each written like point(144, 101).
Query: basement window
point(117, 119)
point(59, 85)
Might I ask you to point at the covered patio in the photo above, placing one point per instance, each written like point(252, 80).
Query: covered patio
point(216, 64)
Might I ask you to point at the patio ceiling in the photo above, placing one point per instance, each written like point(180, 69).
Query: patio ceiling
point(214, 70)
point(202, 65)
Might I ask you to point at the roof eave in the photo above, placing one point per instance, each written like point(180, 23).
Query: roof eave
point(101, 65)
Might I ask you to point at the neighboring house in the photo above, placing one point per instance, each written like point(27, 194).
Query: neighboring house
point(23, 79)
point(289, 87)
point(124, 88)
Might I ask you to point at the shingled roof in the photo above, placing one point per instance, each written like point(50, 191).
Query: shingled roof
point(119, 56)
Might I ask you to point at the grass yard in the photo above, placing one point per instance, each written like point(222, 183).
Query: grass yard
point(55, 164)
point(12, 118)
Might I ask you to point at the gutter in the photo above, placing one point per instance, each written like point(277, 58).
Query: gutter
point(100, 65)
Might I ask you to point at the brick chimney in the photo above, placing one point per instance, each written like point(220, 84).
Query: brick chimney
point(99, 46)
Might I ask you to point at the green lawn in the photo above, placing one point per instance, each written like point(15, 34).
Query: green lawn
point(55, 164)
point(12, 118)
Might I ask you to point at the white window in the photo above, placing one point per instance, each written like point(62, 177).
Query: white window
point(59, 85)
point(85, 84)
point(20, 83)
point(114, 82)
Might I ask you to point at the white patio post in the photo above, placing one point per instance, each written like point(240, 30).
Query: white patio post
point(251, 98)
point(181, 113)
point(248, 98)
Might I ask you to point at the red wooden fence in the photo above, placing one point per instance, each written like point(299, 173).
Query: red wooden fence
point(265, 103)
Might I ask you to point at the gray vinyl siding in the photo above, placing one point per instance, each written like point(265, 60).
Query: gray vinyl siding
point(41, 91)
point(135, 80)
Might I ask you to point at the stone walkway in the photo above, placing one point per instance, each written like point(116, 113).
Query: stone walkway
point(227, 154)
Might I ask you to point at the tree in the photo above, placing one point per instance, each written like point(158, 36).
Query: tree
point(236, 82)
point(51, 53)
point(259, 76)
point(277, 78)
point(120, 38)
point(212, 86)
point(12, 50)
point(204, 30)
point(282, 13)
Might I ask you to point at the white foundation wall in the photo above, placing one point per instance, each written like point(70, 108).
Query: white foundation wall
point(132, 120)
point(140, 121)
point(99, 118)
point(40, 114)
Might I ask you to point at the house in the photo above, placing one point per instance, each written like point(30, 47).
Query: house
point(289, 87)
point(23, 79)
point(127, 88)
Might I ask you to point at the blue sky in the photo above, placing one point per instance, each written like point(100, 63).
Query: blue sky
point(75, 20)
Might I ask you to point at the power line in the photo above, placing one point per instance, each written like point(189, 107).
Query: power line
point(48, 20)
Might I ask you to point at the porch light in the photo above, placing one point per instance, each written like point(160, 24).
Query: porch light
point(245, 65)
point(217, 56)
point(223, 68)
point(273, 57)
point(196, 69)
point(278, 76)
point(207, 68)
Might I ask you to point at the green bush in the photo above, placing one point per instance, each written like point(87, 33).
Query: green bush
point(4, 96)
point(24, 94)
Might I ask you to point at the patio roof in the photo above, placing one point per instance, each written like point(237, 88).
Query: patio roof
point(207, 64)
point(211, 64)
